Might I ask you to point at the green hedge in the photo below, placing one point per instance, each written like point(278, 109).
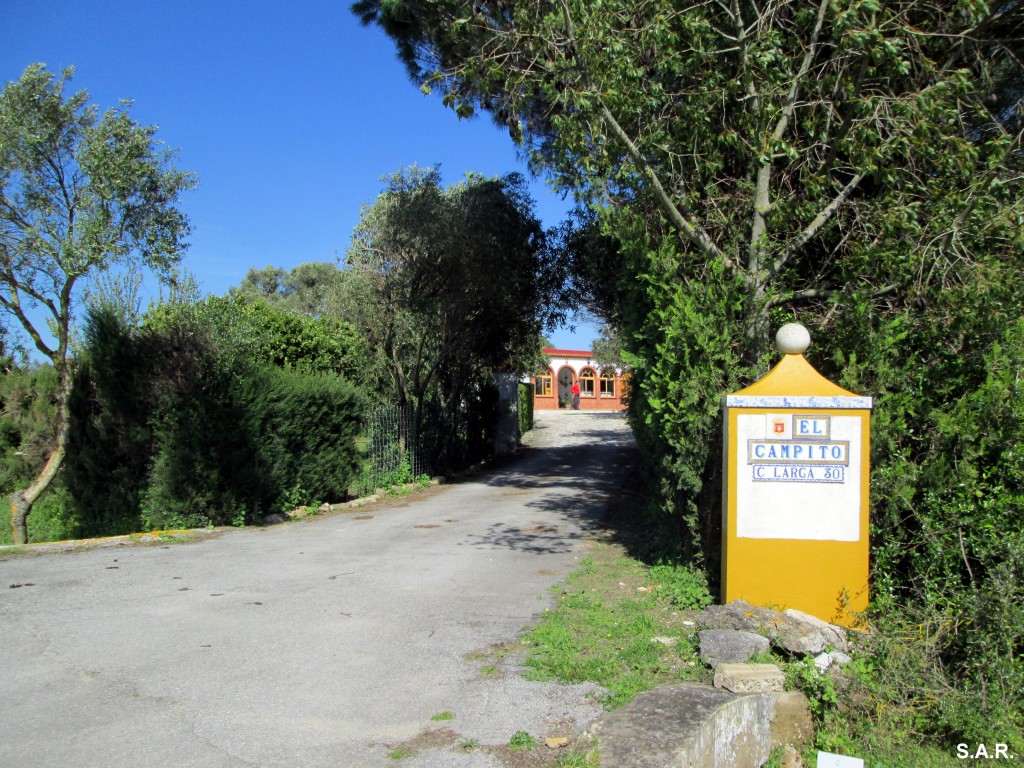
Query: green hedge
point(525, 408)
point(262, 441)
point(167, 430)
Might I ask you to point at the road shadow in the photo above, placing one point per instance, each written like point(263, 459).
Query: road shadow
point(578, 480)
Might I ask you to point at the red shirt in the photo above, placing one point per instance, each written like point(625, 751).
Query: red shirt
point(575, 388)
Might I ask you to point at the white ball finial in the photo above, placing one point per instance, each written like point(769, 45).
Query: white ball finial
point(792, 339)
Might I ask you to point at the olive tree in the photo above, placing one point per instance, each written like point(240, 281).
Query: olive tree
point(80, 193)
point(450, 283)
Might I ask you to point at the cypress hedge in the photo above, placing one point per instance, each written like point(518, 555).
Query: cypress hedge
point(169, 430)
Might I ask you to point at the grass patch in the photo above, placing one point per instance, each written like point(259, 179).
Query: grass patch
point(442, 716)
point(615, 625)
point(575, 759)
point(521, 741)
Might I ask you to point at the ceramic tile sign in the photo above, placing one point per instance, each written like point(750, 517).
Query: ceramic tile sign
point(795, 490)
point(798, 476)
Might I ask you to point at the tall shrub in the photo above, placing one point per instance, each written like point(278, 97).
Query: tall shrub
point(525, 408)
point(171, 430)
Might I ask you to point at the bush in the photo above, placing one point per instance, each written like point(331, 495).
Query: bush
point(525, 408)
point(28, 415)
point(307, 429)
point(256, 331)
point(115, 392)
point(243, 449)
point(168, 431)
point(52, 517)
point(683, 337)
point(681, 586)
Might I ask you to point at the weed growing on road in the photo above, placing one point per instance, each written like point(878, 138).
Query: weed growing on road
point(400, 753)
point(616, 626)
point(521, 740)
point(575, 759)
point(442, 716)
point(468, 745)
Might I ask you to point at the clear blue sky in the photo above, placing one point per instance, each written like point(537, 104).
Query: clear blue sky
point(289, 113)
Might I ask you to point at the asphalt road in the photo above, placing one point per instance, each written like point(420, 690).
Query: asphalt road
point(327, 642)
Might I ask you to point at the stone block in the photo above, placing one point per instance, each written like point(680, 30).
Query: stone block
point(730, 646)
point(834, 635)
point(807, 641)
point(749, 678)
point(793, 724)
point(687, 725)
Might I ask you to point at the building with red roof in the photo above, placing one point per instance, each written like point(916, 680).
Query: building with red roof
point(601, 389)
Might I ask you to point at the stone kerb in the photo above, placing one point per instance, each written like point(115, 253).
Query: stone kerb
point(687, 725)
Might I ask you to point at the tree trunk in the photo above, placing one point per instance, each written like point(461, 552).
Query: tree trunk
point(756, 320)
point(22, 501)
point(19, 518)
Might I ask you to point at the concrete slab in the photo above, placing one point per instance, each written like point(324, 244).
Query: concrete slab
point(749, 678)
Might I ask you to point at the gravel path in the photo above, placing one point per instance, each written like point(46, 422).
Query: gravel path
point(328, 642)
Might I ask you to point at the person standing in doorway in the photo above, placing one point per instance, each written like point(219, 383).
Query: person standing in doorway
point(575, 394)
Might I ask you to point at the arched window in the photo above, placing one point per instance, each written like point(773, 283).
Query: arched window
point(607, 384)
point(542, 384)
point(587, 382)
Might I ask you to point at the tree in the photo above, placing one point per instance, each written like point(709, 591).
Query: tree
point(308, 288)
point(453, 283)
point(607, 348)
point(80, 193)
point(773, 141)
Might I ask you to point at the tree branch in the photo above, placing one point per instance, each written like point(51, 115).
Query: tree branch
point(762, 188)
point(13, 305)
point(678, 215)
point(824, 293)
point(816, 224)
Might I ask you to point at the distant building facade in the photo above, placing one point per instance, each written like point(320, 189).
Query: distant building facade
point(601, 389)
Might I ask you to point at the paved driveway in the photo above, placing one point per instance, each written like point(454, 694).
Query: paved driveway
point(328, 642)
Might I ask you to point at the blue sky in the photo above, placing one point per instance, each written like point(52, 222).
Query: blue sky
point(289, 114)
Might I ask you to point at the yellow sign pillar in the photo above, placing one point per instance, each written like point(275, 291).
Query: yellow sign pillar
point(796, 497)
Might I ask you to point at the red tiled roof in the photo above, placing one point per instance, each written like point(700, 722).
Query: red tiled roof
point(550, 352)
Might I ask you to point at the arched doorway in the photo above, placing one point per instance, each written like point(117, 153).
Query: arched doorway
point(566, 375)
